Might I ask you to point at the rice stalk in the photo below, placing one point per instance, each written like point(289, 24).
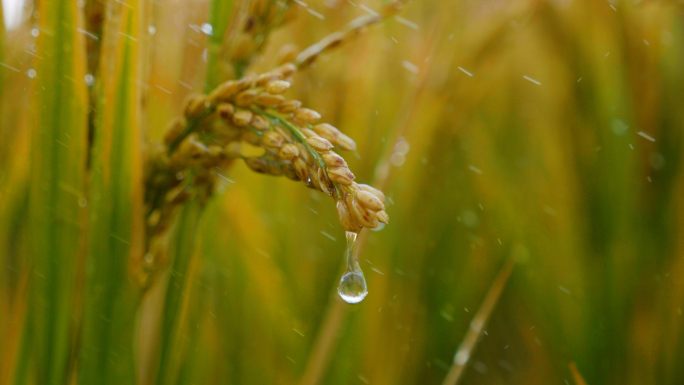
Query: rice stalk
point(250, 109)
point(166, 193)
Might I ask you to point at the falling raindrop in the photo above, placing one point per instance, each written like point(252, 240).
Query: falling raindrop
point(352, 287)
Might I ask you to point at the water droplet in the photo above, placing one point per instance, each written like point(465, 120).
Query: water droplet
point(152, 30)
point(31, 73)
point(35, 32)
point(89, 79)
point(353, 288)
point(207, 28)
point(82, 202)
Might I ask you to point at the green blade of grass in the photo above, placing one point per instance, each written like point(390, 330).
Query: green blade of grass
point(116, 228)
point(181, 250)
point(58, 179)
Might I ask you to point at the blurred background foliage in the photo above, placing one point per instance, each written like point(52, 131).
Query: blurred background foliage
point(546, 132)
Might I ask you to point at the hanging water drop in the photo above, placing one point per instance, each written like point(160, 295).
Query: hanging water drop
point(352, 287)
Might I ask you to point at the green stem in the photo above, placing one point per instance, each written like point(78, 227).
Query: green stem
point(182, 249)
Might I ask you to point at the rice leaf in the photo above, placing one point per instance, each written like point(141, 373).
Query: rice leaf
point(58, 179)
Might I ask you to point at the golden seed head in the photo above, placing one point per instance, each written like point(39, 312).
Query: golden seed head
point(242, 118)
point(225, 111)
point(289, 106)
point(346, 143)
point(305, 154)
point(383, 217)
point(301, 168)
point(332, 159)
point(269, 100)
point(341, 175)
point(307, 115)
point(277, 87)
point(247, 97)
point(259, 122)
point(361, 205)
point(372, 190)
point(272, 139)
point(289, 151)
point(319, 144)
point(369, 200)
